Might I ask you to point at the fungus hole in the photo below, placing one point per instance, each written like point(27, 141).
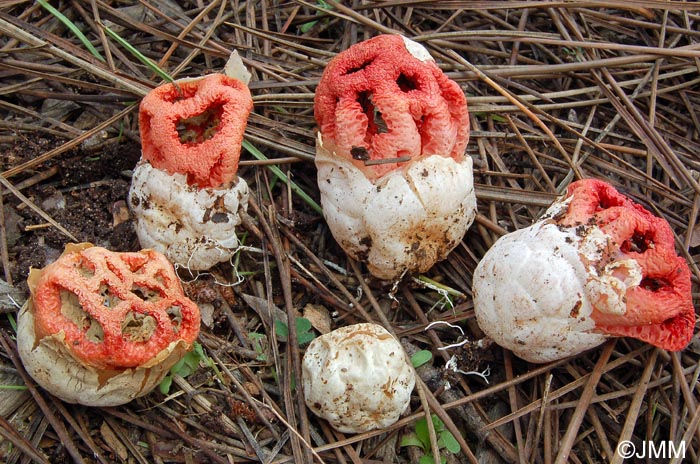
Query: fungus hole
point(653, 284)
point(109, 299)
point(406, 84)
point(375, 121)
point(74, 312)
point(201, 127)
point(365, 101)
point(359, 68)
point(175, 315)
point(146, 294)
point(605, 202)
point(138, 327)
point(94, 333)
point(638, 243)
point(85, 268)
point(219, 218)
point(359, 153)
point(379, 123)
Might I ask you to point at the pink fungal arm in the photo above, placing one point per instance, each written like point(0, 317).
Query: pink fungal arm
point(385, 98)
point(659, 310)
point(195, 127)
point(116, 310)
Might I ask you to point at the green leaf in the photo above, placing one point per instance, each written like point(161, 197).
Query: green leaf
point(192, 360)
point(165, 384)
point(428, 459)
point(177, 367)
point(438, 424)
point(303, 324)
point(283, 177)
point(72, 27)
point(438, 287)
point(185, 370)
point(184, 367)
point(258, 339)
point(199, 351)
point(422, 433)
point(306, 27)
point(449, 442)
point(305, 337)
point(304, 331)
point(411, 439)
point(281, 330)
point(303, 327)
point(421, 357)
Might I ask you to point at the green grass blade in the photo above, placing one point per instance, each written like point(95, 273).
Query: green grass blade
point(13, 387)
point(140, 56)
point(13, 322)
point(73, 28)
point(438, 287)
point(283, 177)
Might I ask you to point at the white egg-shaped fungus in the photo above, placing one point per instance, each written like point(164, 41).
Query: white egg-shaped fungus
point(357, 377)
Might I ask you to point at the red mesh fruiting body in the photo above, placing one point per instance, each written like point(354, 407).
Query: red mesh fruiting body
point(378, 101)
point(117, 310)
point(660, 309)
point(195, 127)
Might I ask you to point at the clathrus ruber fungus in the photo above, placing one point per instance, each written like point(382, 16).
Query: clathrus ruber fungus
point(396, 185)
point(357, 378)
point(595, 265)
point(102, 328)
point(185, 192)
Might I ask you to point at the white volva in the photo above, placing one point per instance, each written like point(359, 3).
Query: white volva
point(405, 221)
point(193, 227)
point(53, 365)
point(535, 288)
point(357, 378)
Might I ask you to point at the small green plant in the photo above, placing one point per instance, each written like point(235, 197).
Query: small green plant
point(304, 330)
point(421, 357)
point(306, 27)
point(184, 367)
point(421, 437)
point(258, 341)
